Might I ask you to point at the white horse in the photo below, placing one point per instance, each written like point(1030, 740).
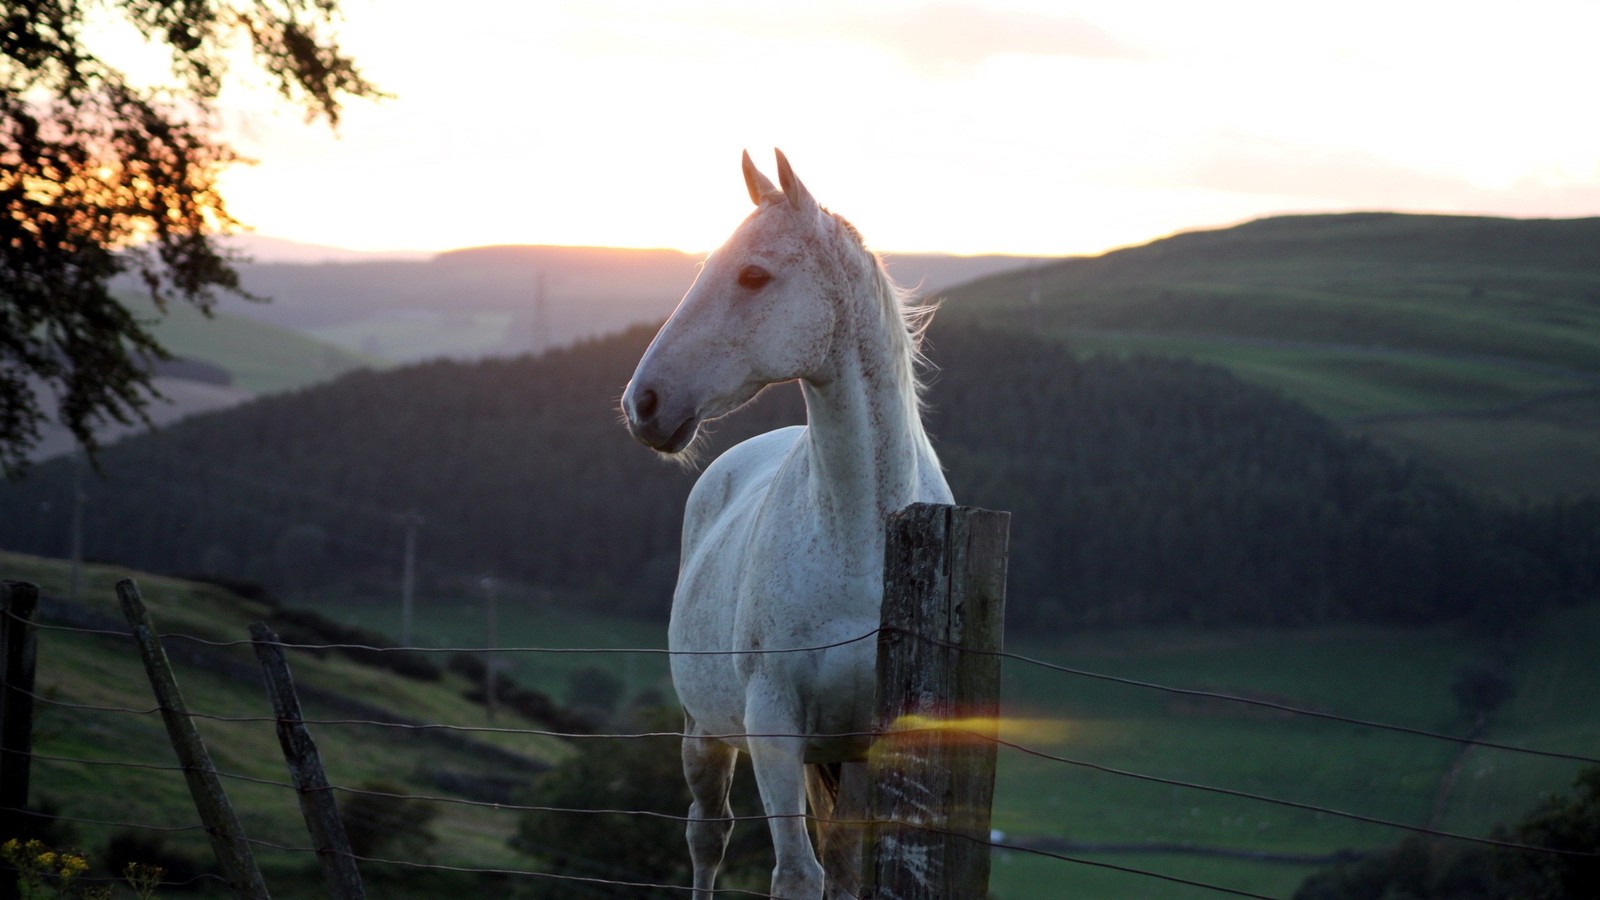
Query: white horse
point(783, 534)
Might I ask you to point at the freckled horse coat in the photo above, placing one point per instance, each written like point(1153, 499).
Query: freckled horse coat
point(783, 534)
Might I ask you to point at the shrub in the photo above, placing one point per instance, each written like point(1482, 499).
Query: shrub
point(380, 821)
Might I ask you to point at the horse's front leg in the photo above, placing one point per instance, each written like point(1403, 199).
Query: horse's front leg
point(708, 769)
point(777, 753)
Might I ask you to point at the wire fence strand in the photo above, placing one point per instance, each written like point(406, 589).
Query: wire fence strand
point(605, 883)
point(1010, 745)
point(1017, 657)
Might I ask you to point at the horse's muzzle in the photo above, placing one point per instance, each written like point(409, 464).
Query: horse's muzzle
point(652, 424)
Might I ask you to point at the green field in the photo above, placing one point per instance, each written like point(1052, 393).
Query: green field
point(526, 618)
point(1392, 675)
point(1396, 676)
point(1521, 432)
point(408, 339)
point(261, 358)
point(73, 745)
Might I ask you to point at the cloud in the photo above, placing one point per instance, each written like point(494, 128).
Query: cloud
point(1240, 164)
point(940, 38)
point(1288, 175)
point(946, 37)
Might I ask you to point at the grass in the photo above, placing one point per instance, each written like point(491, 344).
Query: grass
point(1556, 683)
point(1544, 450)
point(526, 618)
point(402, 339)
point(1399, 676)
point(261, 358)
point(1017, 876)
point(1395, 675)
point(1517, 430)
point(74, 742)
point(1360, 316)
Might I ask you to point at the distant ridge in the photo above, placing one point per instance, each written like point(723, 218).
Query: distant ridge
point(508, 299)
point(1414, 236)
point(261, 248)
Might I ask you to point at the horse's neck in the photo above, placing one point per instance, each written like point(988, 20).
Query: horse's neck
point(867, 450)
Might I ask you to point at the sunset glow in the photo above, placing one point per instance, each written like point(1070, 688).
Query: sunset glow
point(1017, 127)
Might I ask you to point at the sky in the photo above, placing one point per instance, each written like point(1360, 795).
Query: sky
point(1045, 128)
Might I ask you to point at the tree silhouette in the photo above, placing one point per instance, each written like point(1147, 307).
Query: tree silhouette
point(100, 175)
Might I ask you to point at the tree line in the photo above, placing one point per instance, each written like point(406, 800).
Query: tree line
point(1143, 490)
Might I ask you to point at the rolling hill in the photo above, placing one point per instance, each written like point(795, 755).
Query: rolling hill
point(258, 357)
point(220, 360)
point(1173, 517)
point(501, 301)
point(1470, 343)
point(1143, 491)
point(103, 759)
point(1147, 489)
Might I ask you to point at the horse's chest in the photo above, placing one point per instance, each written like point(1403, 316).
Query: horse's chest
point(790, 596)
point(805, 586)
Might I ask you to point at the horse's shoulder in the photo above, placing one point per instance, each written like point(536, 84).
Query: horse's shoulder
point(755, 458)
point(743, 470)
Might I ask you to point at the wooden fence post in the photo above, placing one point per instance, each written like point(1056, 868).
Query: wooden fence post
point(305, 764)
point(931, 771)
point(228, 841)
point(18, 654)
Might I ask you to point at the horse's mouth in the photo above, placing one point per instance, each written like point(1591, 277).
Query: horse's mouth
point(677, 440)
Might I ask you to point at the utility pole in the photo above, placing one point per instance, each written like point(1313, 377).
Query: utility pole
point(408, 577)
point(541, 319)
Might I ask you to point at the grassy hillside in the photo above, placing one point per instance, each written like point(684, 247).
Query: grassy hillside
point(80, 671)
point(1142, 492)
point(1401, 676)
point(1472, 343)
point(262, 358)
point(1396, 675)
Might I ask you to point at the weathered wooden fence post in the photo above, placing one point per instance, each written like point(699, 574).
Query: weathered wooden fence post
point(228, 841)
point(18, 654)
point(305, 764)
point(931, 772)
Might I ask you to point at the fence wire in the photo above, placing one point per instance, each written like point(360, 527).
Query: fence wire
point(606, 883)
point(1016, 657)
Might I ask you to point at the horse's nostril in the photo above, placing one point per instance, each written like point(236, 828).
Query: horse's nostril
point(645, 404)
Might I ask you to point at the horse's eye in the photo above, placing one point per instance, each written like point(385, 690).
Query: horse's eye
point(754, 278)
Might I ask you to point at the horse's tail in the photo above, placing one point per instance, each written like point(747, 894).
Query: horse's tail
point(836, 811)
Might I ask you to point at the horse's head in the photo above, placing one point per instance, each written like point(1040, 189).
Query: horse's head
point(764, 310)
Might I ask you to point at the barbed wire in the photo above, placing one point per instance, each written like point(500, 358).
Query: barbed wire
point(508, 807)
point(1265, 704)
point(373, 648)
point(636, 884)
point(1132, 870)
point(1277, 801)
point(1011, 745)
point(1033, 661)
point(419, 727)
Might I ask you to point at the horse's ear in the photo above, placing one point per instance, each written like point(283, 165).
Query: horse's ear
point(793, 190)
point(757, 183)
